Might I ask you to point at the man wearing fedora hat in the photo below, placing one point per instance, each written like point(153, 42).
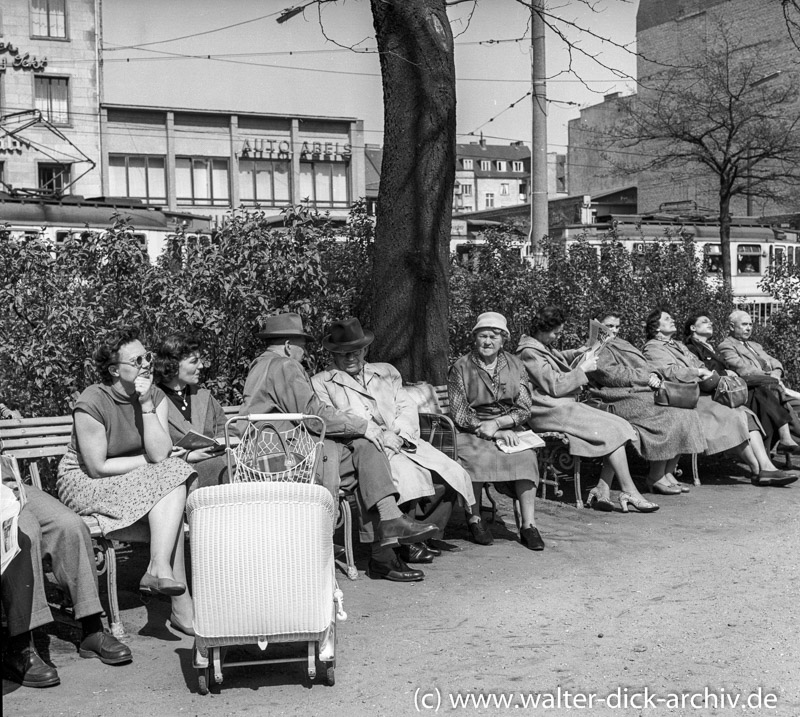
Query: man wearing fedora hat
point(375, 392)
point(278, 383)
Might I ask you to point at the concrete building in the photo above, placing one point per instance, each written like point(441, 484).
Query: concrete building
point(50, 97)
point(207, 162)
point(672, 34)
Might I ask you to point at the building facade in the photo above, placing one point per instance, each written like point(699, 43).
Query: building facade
point(207, 162)
point(50, 81)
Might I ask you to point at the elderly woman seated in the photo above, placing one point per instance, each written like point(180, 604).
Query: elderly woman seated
point(178, 364)
point(557, 378)
point(119, 466)
point(625, 381)
point(490, 402)
point(374, 391)
point(763, 396)
point(724, 428)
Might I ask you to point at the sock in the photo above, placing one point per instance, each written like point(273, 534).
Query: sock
point(387, 508)
point(382, 553)
point(17, 643)
point(91, 624)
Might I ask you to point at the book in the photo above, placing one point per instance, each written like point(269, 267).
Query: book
point(195, 441)
point(528, 440)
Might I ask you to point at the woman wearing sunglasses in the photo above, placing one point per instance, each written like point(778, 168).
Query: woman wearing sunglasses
point(119, 466)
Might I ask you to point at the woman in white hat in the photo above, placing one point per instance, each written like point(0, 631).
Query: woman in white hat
point(490, 402)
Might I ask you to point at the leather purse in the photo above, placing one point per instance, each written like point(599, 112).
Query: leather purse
point(731, 391)
point(278, 458)
point(677, 395)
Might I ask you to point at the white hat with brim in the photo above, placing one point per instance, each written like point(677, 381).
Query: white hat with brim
point(491, 320)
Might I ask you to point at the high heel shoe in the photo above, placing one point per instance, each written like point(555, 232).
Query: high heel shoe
point(665, 488)
point(180, 627)
point(642, 505)
point(599, 502)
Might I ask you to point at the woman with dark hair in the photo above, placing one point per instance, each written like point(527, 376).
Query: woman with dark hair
point(490, 403)
point(724, 428)
point(178, 363)
point(625, 381)
point(119, 466)
point(775, 419)
point(557, 378)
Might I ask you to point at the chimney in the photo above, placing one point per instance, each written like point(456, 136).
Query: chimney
point(483, 141)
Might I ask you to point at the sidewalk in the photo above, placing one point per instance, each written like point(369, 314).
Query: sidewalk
point(696, 598)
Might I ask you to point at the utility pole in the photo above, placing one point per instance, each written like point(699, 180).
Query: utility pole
point(539, 209)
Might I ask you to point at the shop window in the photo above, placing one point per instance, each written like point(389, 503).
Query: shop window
point(51, 98)
point(53, 178)
point(49, 18)
point(748, 259)
point(324, 184)
point(202, 181)
point(264, 181)
point(489, 200)
point(138, 177)
point(467, 164)
point(504, 190)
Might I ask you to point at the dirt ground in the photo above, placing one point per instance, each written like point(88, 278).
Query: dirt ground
point(697, 602)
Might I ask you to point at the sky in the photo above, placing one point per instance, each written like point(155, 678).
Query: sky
point(245, 61)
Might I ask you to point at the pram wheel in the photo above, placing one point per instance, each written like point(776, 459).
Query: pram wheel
point(203, 680)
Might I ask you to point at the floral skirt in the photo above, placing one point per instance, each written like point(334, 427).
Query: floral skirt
point(118, 501)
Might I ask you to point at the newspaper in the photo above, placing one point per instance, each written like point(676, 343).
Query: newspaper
point(528, 440)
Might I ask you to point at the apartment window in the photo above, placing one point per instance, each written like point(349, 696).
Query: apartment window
point(138, 177)
point(517, 167)
point(49, 18)
point(202, 181)
point(53, 178)
point(467, 163)
point(466, 190)
point(264, 181)
point(51, 97)
point(486, 165)
point(503, 190)
point(324, 183)
point(502, 166)
point(489, 200)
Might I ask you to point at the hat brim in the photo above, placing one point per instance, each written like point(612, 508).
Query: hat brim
point(288, 334)
point(348, 346)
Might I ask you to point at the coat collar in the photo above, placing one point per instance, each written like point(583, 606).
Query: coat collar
point(343, 378)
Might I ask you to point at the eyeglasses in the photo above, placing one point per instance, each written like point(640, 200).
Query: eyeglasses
point(137, 361)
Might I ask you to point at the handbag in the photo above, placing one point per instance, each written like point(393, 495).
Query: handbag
point(277, 461)
point(731, 392)
point(677, 395)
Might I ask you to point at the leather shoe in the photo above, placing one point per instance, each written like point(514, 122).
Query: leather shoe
point(432, 549)
point(665, 488)
point(395, 570)
point(773, 478)
point(438, 546)
point(180, 627)
point(29, 669)
point(415, 553)
point(480, 533)
point(783, 448)
point(106, 648)
point(161, 586)
point(531, 538)
point(404, 530)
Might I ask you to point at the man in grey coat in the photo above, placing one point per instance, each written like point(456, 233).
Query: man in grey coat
point(278, 383)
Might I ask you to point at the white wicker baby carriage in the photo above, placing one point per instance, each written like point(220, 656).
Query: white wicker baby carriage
point(262, 557)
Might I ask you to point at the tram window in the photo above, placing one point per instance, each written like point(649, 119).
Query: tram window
point(713, 259)
point(748, 259)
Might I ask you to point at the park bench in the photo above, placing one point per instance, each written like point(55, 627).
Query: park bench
point(30, 440)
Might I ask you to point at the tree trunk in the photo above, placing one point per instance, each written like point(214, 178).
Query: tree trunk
point(725, 236)
point(415, 201)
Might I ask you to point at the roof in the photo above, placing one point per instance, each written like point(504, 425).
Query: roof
point(509, 152)
point(202, 111)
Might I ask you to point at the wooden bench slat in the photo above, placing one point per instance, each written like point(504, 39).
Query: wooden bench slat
point(33, 453)
point(43, 421)
point(35, 431)
point(13, 444)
